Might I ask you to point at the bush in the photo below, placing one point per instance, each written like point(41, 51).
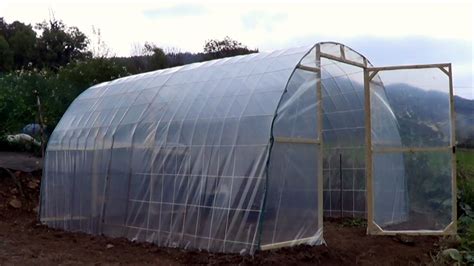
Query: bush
point(56, 90)
point(465, 179)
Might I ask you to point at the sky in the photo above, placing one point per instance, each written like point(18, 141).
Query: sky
point(387, 32)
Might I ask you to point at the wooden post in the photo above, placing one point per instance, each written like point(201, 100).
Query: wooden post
point(319, 116)
point(40, 116)
point(368, 153)
point(340, 178)
point(453, 228)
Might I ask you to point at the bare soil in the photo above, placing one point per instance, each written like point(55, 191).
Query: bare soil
point(24, 241)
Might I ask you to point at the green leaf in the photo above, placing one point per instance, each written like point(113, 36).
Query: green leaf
point(469, 258)
point(453, 253)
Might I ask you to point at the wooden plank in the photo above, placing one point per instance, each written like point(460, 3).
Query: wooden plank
point(343, 53)
point(64, 218)
point(444, 71)
point(377, 230)
point(410, 149)
point(319, 115)
point(448, 230)
point(368, 154)
point(309, 68)
point(413, 233)
point(371, 76)
point(296, 140)
point(287, 243)
point(345, 61)
point(453, 155)
point(373, 228)
point(407, 67)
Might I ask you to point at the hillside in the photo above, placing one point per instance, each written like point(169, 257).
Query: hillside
point(427, 110)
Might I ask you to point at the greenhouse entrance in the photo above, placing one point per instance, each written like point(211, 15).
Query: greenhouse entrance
point(405, 182)
point(343, 104)
point(353, 99)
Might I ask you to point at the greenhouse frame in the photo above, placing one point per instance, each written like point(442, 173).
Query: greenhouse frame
point(251, 152)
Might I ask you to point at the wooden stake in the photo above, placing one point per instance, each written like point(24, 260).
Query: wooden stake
point(319, 115)
point(454, 187)
point(368, 154)
point(40, 115)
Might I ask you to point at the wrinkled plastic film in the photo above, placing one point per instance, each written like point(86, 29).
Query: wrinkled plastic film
point(291, 209)
point(176, 157)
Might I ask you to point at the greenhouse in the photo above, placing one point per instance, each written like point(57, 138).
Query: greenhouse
point(251, 152)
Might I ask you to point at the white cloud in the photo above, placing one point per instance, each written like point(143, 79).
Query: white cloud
point(188, 25)
point(265, 25)
point(178, 10)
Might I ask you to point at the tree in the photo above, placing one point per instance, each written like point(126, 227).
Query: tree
point(3, 27)
point(225, 48)
point(22, 39)
point(59, 45)
point(158, 59)
point(6, 55)
point(144, 57)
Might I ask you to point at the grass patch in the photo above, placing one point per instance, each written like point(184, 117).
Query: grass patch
point(465, 159)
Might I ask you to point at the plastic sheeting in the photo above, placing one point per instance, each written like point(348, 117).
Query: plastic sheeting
point(176, 157)
point(292, 209)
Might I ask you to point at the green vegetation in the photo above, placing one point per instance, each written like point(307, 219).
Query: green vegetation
point(462, 250)
point(354, 222)
point(426, 113)
point(429, 196)
point(465, 159)
point(465, 179)
point(60, 62)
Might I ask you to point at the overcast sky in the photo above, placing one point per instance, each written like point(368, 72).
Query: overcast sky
point(387, 32)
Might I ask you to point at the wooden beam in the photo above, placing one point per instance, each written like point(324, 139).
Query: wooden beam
point(343, 53)
point(373, 228)
point(309, 68)
point(64, 218)
point(319, 115)
point(345, 61)
point(410, 149)
point(444, 70)
point(365, 62)
point(454, 188)
point(287, 243)
point(448, 230)
point(407, 67)
point(296, 140)
point(371, 76)
point(368, 154)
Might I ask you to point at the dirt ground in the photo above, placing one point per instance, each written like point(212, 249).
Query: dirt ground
point(24, 241)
